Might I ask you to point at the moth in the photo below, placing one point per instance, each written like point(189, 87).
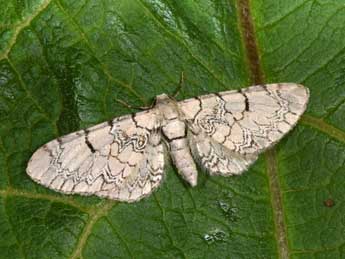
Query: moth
point(123, 159)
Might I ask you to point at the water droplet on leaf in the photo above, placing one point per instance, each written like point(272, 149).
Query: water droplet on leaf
point(215, 236)
point(229, 211)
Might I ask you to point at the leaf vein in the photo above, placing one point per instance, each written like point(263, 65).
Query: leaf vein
point(22, 26)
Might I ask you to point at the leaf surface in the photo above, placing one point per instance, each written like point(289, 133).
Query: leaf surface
point(64, 63)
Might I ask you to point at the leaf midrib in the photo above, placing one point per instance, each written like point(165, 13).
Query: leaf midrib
point(257, 75)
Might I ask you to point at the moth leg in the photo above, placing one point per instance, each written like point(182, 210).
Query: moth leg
point(129, 106)
point(180, 85)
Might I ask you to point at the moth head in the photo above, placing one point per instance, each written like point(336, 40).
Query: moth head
point(163, 99)
point(167, 106)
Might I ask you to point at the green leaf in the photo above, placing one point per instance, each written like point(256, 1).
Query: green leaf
point(62, 65)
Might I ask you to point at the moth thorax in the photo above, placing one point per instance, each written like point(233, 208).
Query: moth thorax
point(155, 139)
point(174, 129)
